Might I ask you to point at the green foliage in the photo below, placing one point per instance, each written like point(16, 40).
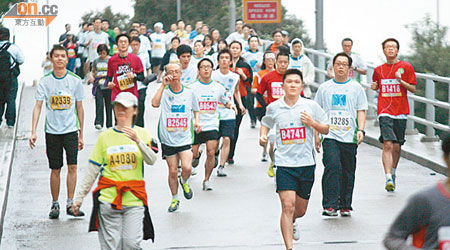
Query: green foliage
point(115, 19)
point(5, 5)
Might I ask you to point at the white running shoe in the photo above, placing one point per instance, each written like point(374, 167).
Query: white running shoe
point(296, 231)
point(207, 186)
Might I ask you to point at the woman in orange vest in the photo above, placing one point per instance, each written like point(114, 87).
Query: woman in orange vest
point(120, 213)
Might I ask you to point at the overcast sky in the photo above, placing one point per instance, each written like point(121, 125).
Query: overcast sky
point(368, 23)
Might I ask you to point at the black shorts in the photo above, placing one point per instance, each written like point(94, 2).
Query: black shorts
point(204, 136)
point(55, 145)
point(392, 129)
point(168, 151)
point(155, 61)
point(226, 128)
point(298, 179)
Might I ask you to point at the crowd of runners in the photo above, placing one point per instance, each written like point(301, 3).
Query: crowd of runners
point(205, 85)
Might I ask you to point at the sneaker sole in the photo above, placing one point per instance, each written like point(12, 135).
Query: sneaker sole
point(390, 187)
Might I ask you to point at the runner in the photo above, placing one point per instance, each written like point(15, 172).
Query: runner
point(237, 35)
point(111, 34)
point(158, 40)
point(208, 93)
point(345, 103)
point(246, 76)
point(393, 80)
point(229, 80)
point(253, 56)
point(124, 69)
point(82, 51)
point(181, 32)
point(63, 94)
point(188, 70)
point(170, 56)
point(298, 60)
point(94, 39)
point(199, 50)
point(277, 37)
point(120, 213)
point(268, 65)
point(175, 130)
point(221, 44)
point(294, 118)
point(359, 66)
point(100, 88)
point(207, 44)
point(142, 88)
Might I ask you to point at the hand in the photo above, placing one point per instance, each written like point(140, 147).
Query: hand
point(233, 107)
point(32, 141)
point(258, 65)
point(197, 128)
point(167, 80)
point(242, 108)
point(76, 207)
point(398, 76)
point(263, 140)
point(130, 133)
point(80, 143)
point(240, 72)
point(307, 119)
point(130, 75)
point(374, 86)
point(111, 85)
point(359, 137)
point(317, 143)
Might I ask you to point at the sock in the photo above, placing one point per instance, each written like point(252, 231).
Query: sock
point(55, 202)
point(69, 202)
point(388, 176)
point(393, 171)
point(183, 180)
point(175, 197)
point(221, 166)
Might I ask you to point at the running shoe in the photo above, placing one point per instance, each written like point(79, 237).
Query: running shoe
point(271, 172)
point(221, 172)
point(393, 179)
point(98, 126)
point(174, 205)
point(207, 186)
point(193, 171)
point(264, 157)
point(70, 212)
point(196, 161)
point(54, 211)
point(230, 161)
point(187, 190)
point(345, 212)
point(296, 231)
point(329, 212)
point(390, 186)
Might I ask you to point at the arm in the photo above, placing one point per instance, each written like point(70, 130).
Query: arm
point(36, 113)
point(317, 141)
point(263, 131)
point(148, 154)
point(360, 70)
point(85, 186)
point(317, 126)
point(156, 100)
point(361, 125)
point(197, 126)
point(237, 96)
point(80, 113)
point(410, 87)
point(261, 100)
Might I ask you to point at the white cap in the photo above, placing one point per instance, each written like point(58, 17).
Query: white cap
point(158, 24)
point(127, 99)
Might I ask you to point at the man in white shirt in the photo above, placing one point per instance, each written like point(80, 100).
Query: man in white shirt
point(96, 38)
point(188, 70)
point(358, 66)
point(237, 35)
point(158, 40)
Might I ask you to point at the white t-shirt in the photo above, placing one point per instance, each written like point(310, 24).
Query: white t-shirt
point(198, 37)
point(296, 63)
point(356, 61)
point(176, 121)
point(234, 37)
point(189, 75)
point(159, 44)
point(294, 140)
point(97, 39)
point(229, 82)
point(341, 101)
point(194, 60)
point(208, 95)
point(146, 63)
point(60, 96)
point(253, 58)
point(145, 44)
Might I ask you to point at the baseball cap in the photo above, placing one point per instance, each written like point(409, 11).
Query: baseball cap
point(127, 99)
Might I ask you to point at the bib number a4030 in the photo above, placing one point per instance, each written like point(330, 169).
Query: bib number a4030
point(122, 161)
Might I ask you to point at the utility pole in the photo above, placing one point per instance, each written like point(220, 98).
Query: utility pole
point(319, 25)
point(437, 12)
point(232, 16)
point(178, 9)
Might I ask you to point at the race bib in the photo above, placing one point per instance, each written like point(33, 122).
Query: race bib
point(122, 157)
point(125, 82)
point(157, 46)
point(294, 135)
point(71, 53)
point(277, 90)
point(340, 120)
point(390, 88)
point(174, 123)
point(207, 106)
point(60, 102)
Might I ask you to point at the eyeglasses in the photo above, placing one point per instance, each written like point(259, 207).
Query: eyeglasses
point(341, 64)
point(206, 67)
point(390, 47)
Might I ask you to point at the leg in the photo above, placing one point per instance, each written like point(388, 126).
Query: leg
point(172, 163)
point(332, 174)
point(71, 148)
point(300, 207)
point(288, 202)
point(239, 117)
point(348, 160)
point(211, 147)
point(108, 107)
point(396, 149)
point(99, 107)
point(141, 107)
point(271, 153)
point(55, 180)
point(251, 105)
point(224, 150)
point(2, 108)
point(71, 180)
point(186, 164)
point(195, 148)
point(387, 156)
point(109, 227)
point(11, 104)
point(132, 227)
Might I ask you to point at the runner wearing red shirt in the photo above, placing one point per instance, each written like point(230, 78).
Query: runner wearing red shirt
point(124, 69)
point(272, 81)
point(393, 79)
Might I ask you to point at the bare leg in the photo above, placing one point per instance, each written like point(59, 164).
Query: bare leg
point(186, 164)
point(300, 207)
point(271, 154)
point(287, 198)
point(387, 156)
point(71, 180)
point(172, 163)
point(195, 150)
point(54, 183)
point(225, 150)
point(211, 147)
point(396, 154)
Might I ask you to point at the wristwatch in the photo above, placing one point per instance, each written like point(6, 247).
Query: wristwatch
point(362, 130)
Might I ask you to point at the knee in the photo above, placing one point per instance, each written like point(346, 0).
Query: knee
point(72, 169)
point(288, 207)
point(300, 212)
point(211, 152)
point(173, 172)
point(56, 172)
point(396, 147)
point(388, 146)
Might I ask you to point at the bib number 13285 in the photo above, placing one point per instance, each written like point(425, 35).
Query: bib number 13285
point(292, 135)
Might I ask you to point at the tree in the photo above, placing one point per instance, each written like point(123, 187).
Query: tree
point(5, 5)
point(115, 19)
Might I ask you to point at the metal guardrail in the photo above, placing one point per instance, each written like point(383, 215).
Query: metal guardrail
point(320, 60)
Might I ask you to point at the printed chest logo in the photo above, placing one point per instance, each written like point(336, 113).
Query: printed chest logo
point(178, 108)
point(338, 101)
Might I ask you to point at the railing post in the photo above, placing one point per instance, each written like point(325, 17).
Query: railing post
point(321, 63)
point(410, 129)
point(429, 112)
point(371, 95)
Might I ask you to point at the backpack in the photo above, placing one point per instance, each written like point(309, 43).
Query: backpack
point(5, 64)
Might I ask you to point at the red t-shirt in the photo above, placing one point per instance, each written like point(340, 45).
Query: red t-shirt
point(117, 69)
point(271, 83)
point(392, 97)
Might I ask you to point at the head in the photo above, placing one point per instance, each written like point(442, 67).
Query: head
point(239, 23)
point(174, 69)
point(188, 28)
point(198, 25)
point(283, 49)
point(175, 42)
point(215, 34)
point(341, 65)
point(135, 44)
point(105, 25)
point(246, 30)
point(297, 47)
point(207, 41)
point(90, 27)
point(125, 108)
point(135, 25)
point(347, 45)
point(97, 24)
point(184, 53)
point(292, 82)
point(70, 38)
point(180, 24)
point(285, 36)
point(222, 44)
point(390, 48)
point(173, 27)
point(446, 150)
point(103, 51)
point(117, 30)
point(84, 26)
point(282, 62)
point(4, 34)
point(67, 26)
point(205, 67)
point(143, 29)
point(268, 60)
point(122, 41)
point(133, 33)
point(236, 49)
point(158, 27)
point(253, 42)
point(277, 37)
point(59, 57)
point(199, 48)
point(224, 58)
point(205, 29)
